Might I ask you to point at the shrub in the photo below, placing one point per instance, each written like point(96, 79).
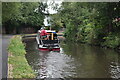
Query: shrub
point(112, 41)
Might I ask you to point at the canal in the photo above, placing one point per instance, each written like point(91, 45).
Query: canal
point(73, 61)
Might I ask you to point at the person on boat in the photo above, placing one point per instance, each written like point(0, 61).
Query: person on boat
point(43, 33)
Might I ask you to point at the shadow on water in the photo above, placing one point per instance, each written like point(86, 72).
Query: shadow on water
point(73, 61)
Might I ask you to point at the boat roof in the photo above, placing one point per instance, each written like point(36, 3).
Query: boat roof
point(47, 30)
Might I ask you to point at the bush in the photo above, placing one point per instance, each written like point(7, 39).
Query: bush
point(112, 41)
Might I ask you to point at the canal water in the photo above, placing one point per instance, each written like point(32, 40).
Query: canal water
point(73, 61)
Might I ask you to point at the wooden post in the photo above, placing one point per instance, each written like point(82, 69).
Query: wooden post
point(52, 36)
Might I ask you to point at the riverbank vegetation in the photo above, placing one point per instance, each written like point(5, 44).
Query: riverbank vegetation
point(18, 66)
point(92, 23)
point(16, 16)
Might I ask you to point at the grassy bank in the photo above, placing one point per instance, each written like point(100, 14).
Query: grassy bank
point(17, 63)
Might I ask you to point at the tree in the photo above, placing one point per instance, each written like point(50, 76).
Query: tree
point(18, 15)
point(10, 10)
point(93, 23)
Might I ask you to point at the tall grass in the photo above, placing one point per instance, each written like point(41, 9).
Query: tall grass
point(16, 58)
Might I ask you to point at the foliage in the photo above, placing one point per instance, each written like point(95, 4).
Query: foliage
point(21, 68)
point(90, 22)
point(19, 14)
point(10, 11)
point(112, 41)
point(30, 16)
point(56, 22)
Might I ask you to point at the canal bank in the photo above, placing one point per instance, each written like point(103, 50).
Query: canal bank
point(17, 63)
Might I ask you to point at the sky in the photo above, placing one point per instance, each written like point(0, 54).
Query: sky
point(50, 5)
point(51, 10)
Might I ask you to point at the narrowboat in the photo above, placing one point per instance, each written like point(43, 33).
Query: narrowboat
point(49, 43)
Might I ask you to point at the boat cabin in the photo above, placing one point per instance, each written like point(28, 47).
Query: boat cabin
point(50, 35)
point(49, 41)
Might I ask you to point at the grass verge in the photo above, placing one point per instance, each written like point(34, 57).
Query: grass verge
point(19, 68)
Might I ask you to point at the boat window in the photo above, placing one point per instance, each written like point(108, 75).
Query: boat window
point(50, 41)
point(55, 36)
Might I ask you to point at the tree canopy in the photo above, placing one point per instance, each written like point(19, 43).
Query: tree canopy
point(20, 14)
point(93, 23)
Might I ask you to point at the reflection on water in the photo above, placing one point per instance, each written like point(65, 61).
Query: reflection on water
point(73, 61)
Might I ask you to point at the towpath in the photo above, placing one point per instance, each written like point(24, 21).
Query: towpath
point(5, 42)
